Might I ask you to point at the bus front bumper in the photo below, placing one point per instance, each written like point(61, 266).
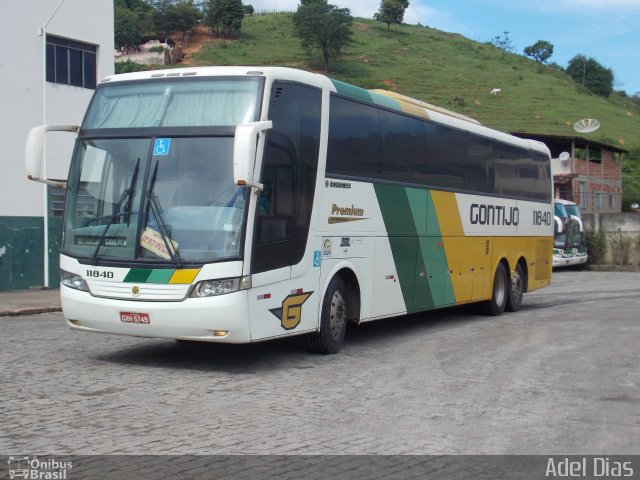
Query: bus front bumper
point(222, 318)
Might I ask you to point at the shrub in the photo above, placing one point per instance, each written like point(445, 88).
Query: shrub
point(620, 245)
point(129, 66)
point(596, 245)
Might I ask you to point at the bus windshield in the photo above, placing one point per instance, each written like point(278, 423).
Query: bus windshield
point(143, 187)
point(189, 209)
point(560, 211)
point(573, 210)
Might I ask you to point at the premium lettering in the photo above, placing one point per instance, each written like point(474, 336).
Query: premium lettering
point(348, 211)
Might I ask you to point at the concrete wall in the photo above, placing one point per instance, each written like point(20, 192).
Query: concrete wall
point(22, 203)
point(621, 234)
point(21, 95)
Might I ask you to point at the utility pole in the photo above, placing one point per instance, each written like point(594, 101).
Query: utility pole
point(42, 31)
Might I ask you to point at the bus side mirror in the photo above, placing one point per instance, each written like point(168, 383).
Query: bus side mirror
point(35, 148)
point(245, 147)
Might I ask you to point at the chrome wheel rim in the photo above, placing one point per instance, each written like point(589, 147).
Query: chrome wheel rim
point(516, 287)
point(500, 290)
point(337, 314)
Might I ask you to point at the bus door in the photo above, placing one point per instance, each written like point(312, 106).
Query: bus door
point(285, 293)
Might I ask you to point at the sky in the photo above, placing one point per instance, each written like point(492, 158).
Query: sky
point(607, 30)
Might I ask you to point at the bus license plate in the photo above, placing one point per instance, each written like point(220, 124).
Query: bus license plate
point(133, 317)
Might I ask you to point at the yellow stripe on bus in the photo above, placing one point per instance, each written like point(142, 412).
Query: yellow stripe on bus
point(448, 213)
point(468, 264)
point(184, 276)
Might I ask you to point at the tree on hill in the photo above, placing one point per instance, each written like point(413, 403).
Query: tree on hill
point(133, 22)
point(503, 42)
point(187, 15)
point(248, 9)
point(224, 17)
point(212, 15)
point(540, 51)
point(324, 27)
point(126, 31)
point(175, 16)
point(590, 74)
point(391, 11)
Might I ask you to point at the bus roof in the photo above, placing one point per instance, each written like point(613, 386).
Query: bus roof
point(563, 201)
point(384, 98)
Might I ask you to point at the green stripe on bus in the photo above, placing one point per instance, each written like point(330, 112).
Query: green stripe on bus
point(417, 247)
point(419, 204)
point(146, 275)
point(351, 91)
point(137, 275)
point(160, 276)
point(385, 101)
point(403, 239)
point(433, 252)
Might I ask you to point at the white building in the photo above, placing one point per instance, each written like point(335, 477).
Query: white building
point(79, 52)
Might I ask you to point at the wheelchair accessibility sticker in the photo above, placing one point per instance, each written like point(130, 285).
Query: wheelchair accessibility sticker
point(161, 146)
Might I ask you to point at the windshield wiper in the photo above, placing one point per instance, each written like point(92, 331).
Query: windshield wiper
point(156, 210)
point(128, 193)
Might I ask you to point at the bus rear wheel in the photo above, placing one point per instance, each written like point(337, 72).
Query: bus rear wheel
point(333, 319)
point(498, 301)
point(516, 292)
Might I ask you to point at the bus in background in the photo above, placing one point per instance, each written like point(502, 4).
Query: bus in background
point(240, 204)
point(570, 244)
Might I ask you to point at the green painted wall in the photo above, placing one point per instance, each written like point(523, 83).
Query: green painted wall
point(21, 252)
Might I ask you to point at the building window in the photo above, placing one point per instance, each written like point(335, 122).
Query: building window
point(582, 193)
point(598, 200)
point(71, 63)
point(56, 201)
point(612, 201)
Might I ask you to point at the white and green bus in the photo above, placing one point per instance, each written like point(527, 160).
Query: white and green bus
point(235, 204)
point(570, 243)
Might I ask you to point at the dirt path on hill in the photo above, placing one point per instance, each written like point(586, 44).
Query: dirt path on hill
point(196, 42)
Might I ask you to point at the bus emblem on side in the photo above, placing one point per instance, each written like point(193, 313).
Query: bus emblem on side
point(135, 290)
point(290, 313)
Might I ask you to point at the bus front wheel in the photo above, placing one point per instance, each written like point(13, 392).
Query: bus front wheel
point(498, 301)
point(333, 319)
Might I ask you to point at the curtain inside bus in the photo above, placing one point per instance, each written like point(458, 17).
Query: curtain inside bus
point(173, 103)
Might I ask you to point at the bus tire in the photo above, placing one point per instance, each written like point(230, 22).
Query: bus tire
point(333, 319)
point(498, 301)
point(516, 292)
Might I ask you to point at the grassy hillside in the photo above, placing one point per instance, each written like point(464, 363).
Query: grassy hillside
point(444, 69)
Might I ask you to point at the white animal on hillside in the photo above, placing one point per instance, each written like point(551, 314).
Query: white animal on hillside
point(496, 91)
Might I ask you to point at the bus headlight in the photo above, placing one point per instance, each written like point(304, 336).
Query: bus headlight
point(212, 288)
point(73, 280)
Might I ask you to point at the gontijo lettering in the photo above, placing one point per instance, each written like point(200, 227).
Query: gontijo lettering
point(481, 214)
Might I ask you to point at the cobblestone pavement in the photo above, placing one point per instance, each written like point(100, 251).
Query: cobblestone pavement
point(561, 376)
